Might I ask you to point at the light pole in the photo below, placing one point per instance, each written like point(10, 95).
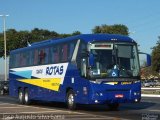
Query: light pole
point(5, 56)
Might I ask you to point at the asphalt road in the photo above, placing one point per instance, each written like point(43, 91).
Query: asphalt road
point(147, 109)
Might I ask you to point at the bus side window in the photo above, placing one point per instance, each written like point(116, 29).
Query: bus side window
point(31, 59)
point(54, 54)
point(81, 50)
point(71, 49)
point(21, 60)
point(46, 55)
point(51, 49)
point(17, 63)
point(64, 53)
point(41, 56)
point(24, 58)
point(35, 57)
point(27, 58)
point(12, 61)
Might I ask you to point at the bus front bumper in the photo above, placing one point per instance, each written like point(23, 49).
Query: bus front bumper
point(127, 94)
point(119, 97)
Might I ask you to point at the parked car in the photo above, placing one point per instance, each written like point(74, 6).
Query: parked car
point(149, 83)
point(157, 82)
point(153, 83)
point(146, 84)
point(4, 87)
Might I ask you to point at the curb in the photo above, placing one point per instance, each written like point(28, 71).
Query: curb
point(149, 95)
point(150, 88)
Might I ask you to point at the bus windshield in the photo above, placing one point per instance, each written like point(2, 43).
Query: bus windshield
point(120, 61)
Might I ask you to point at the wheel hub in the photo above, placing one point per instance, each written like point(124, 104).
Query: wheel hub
point(71, 99)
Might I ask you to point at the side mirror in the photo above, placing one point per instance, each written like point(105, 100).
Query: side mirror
point(147, 60)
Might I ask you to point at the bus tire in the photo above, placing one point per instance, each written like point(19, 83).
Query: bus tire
point(26, 97)
point(113, 106)
point(71, 100)
point(21, 96)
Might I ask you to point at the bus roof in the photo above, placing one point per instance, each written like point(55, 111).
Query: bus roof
point(84, 37)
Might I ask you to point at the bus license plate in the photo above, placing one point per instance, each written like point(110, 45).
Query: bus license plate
point(119, 96)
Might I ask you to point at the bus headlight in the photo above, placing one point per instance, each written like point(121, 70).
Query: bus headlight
point(136, 93)
point(136, 100)
point(96, 101)
point(99, 94)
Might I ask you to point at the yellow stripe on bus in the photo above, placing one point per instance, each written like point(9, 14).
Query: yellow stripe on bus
point(48, 83)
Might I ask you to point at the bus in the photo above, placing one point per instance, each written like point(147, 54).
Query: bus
point(81, 69)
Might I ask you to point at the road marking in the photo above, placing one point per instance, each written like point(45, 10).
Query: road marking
point(149, 95)
point(155, 110)
point(150, 88)
point(3, 103)
point(10, 107)
point(32, 106)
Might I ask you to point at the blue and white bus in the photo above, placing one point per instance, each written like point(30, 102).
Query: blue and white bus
point(82, 69)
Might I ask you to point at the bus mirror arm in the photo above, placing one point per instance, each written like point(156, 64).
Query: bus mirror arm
point(148, 58)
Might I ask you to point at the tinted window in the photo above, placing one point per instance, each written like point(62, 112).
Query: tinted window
point(64, 53)
point(27, 58)
point(31, 60)
point(17, 60)
point(35, 57)
point(41, 56)
point(12, 61)
point(50, 55)
point(46, 55)
point(71, 49)
point(54, 54)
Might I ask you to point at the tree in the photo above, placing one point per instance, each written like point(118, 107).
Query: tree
point(76, 33)
point(156, 57)
point(148, 73)
point(11, 39)
point(111, 29)
point(41, 34)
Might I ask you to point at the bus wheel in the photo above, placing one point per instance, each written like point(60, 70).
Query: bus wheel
point(71, 100)
point(26, 97)
point(20, 96)
point(113, 106)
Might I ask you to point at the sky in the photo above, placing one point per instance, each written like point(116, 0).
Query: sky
point(142, 17)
